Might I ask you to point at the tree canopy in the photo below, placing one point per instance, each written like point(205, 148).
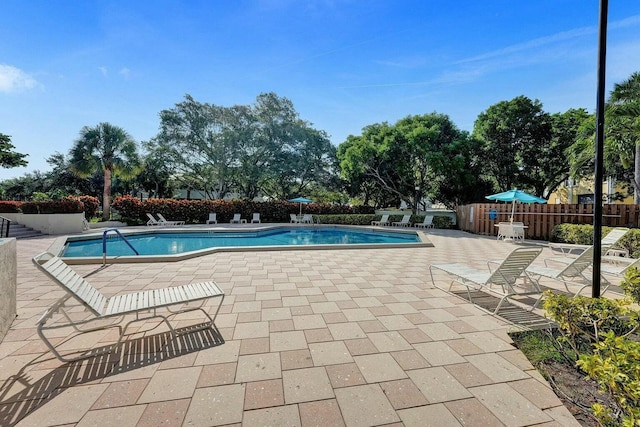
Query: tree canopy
point(8, 157)
point(260, 149)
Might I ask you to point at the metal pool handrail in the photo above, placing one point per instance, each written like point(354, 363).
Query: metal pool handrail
point(104, 243)
point(4, 231)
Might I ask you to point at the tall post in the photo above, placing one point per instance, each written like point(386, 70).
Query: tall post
point(599, 174)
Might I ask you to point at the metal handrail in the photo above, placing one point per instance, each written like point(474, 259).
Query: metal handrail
point(104, 243)
point(4, 231)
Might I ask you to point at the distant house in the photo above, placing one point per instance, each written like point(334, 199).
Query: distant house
point(582, 192)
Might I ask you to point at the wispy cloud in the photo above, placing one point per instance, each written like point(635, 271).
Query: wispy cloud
point(13, 79)
point(104, 71)
point(125, 73)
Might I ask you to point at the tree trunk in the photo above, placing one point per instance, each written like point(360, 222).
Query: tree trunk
point(106, 195)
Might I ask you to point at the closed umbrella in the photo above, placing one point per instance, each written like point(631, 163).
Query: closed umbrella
point(514, 196)
point(301, 200)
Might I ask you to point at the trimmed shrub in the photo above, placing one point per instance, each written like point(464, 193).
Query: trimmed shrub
point(197, 211)
point(91, 205)
point(66, 205)
point(7, 206)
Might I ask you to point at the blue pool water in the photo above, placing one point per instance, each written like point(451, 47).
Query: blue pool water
point(161, 243)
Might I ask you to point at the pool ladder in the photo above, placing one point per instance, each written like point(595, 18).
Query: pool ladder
point(117, 235)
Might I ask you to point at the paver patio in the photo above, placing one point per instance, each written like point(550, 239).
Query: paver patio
point(332, 337)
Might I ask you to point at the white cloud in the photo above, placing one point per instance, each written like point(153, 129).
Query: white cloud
point(13, 79)
point(125, 73)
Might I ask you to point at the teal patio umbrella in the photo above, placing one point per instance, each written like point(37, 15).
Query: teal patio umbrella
point(514, 196)
point(301, 200)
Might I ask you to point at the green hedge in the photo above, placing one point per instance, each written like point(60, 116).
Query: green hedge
point(7, 206)
point(66, 205)
point(197, 211)
point(582, 234)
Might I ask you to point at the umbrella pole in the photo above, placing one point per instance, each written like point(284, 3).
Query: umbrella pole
point(300, 208)
point(513, 209)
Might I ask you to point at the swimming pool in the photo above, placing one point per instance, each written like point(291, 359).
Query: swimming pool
point(168, 243)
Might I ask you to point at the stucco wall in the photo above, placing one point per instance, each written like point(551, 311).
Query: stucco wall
point(8, 282)
point(49, 223)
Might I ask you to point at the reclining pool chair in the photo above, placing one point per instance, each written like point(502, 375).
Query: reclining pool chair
point(383, 221)
point(427, 223)
point(607, 242)
point(507, 280)
point(164, 221)
point(116, 307)
point(152, 220)
point(404, 222)
point(572, 271)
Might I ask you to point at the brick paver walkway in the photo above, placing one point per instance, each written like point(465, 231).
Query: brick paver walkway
point(308, 338)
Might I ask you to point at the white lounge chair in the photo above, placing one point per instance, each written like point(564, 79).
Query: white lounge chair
point(404, 222)
point(255, 218)
point(152, 220)
point(571, 273)
point(607, 242)
point(427, 223)
point(383, 221)
point(142, 304)
point(212, 218)
point(294, 219)
point(237, 219)
point(307, 219)
point(509, 279)
point(164, 221)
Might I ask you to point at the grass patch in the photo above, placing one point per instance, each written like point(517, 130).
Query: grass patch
point(539, 346)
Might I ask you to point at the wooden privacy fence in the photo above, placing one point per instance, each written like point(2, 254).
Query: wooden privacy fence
point(482, 218)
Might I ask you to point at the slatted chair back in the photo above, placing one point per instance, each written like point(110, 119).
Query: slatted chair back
point(578, 265)
point(513, 266)
point(70, 281)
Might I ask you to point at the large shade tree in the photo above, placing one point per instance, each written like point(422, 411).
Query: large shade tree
point(517, 147)
point(415, 158)
point(105, 148)
point(252, 150)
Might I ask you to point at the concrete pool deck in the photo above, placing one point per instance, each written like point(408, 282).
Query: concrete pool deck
point(356, 337)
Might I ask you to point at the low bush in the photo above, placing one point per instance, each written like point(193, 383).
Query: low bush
point(600, 336)
point(197, 211)
point(7, 206)
point(66, 205)
point(91, 205)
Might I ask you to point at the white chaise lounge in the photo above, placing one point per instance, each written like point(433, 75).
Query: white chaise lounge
point(143, 305)
point(509, 279)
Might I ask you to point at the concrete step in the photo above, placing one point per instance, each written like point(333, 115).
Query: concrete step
point(20, 231)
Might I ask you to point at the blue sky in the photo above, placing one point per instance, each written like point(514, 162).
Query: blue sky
point(345, 64)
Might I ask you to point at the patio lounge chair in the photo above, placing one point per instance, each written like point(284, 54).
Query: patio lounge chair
point(255, 218)
point(294, 219)
point(237, 220)
point(152, 220)
point(607, 242)
point(142, 304)
point(572, 272)
point(404, 222)
point(212, 218)
point(507, 280)
point(427, 223)
point(383, 221)
point(164, 221)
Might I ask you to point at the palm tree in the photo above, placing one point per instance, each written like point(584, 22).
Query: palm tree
point(107, 148)
point(624, 125)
